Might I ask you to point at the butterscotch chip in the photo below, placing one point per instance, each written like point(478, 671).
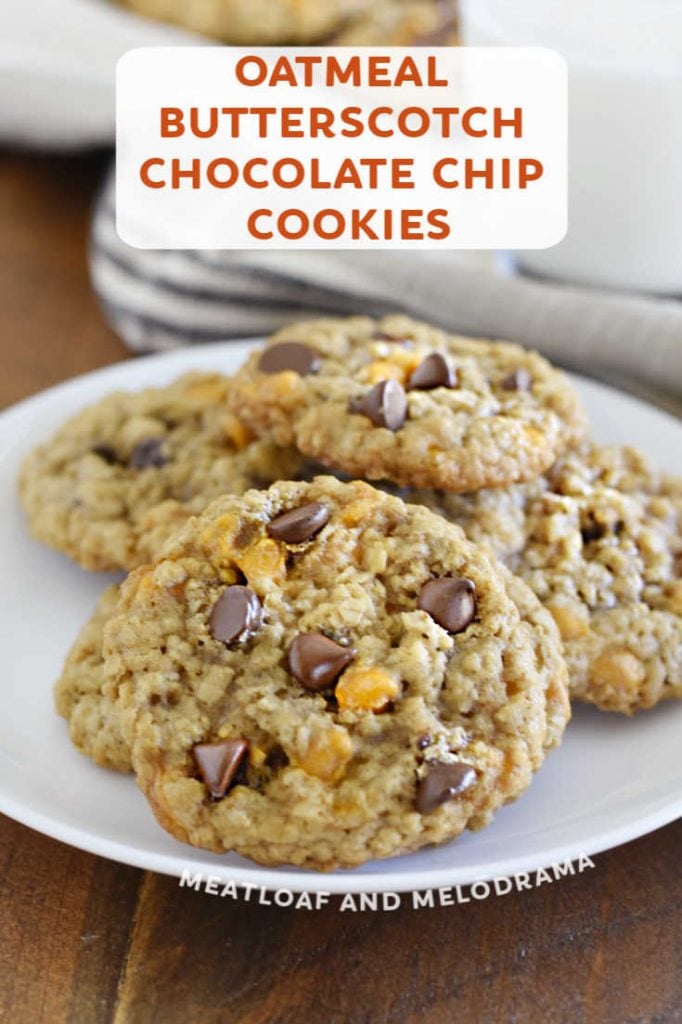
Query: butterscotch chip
point(599, 540)
point(337, 688)
point(572, 618)
point(616, 671)
point(448, 418)
point(368, 688)
point(119, 477)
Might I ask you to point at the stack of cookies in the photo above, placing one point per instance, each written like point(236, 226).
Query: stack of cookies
point(366, 573)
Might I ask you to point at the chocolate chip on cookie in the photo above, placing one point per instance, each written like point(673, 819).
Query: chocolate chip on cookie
point(107, 453)
point(218, 764)
point(300, 524)
point(452, 431)
point(147, 453)
point(316, 661)
point(450, 601)
point(434, 372)
point(385, 405)
point(341, 788)
point(276, 759)
point(289, 355)
point(517, 380)
point(443, 782)
point(236, 615)
point(191, 451)
point(599, 539)
point(592, 530)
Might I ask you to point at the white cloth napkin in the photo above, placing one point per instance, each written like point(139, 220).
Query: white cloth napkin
point(160, 299)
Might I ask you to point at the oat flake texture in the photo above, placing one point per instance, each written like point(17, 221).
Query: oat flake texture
point(120, 476)
point(599, 540)
point(331, 777)
point(480, 433)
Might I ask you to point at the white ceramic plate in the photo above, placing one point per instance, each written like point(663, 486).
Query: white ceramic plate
point(612, 779)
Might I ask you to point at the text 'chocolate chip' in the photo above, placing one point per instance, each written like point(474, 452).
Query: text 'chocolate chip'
point(443, 782)
point(517, 380)
point(316, 661)
point(385, 405)
point(450, 601)
point(147, 453)
point(433, 372)
point(218, 764)
point(300, 524)
point(289, 355)
point(236, 615)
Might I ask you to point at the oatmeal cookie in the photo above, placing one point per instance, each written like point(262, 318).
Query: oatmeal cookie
point(402, 23)
point(92, 717)
point(599, 540)
point(405, 402)
point(318, 674)
point(254, 22)
point(118, 477)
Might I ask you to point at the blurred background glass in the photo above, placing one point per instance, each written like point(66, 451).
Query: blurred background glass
point(625, 132)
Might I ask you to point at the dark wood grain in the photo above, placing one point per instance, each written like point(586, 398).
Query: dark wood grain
point(64, 929)
point(50, 324)
point(84, 940)
point(585, 949)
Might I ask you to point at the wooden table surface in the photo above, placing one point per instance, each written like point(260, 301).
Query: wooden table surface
point(86, 940)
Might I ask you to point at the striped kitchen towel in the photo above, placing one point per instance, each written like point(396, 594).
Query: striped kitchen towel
point(157, 300)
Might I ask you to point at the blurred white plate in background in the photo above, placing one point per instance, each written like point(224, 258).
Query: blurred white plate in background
point(58, 64)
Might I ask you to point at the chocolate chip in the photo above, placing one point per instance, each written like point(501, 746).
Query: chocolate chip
point(147, 453)
point(316, 661)
point(236, 615)
point(300, 524)
point(289, 355)
point(276, 759)
point(443, 782)
point(433, 372)
point(517, 380)
point(592, 531)
point(450, 601)
point(107, 453)
point(218, 764)
point(385, 405)
point(424, 741)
